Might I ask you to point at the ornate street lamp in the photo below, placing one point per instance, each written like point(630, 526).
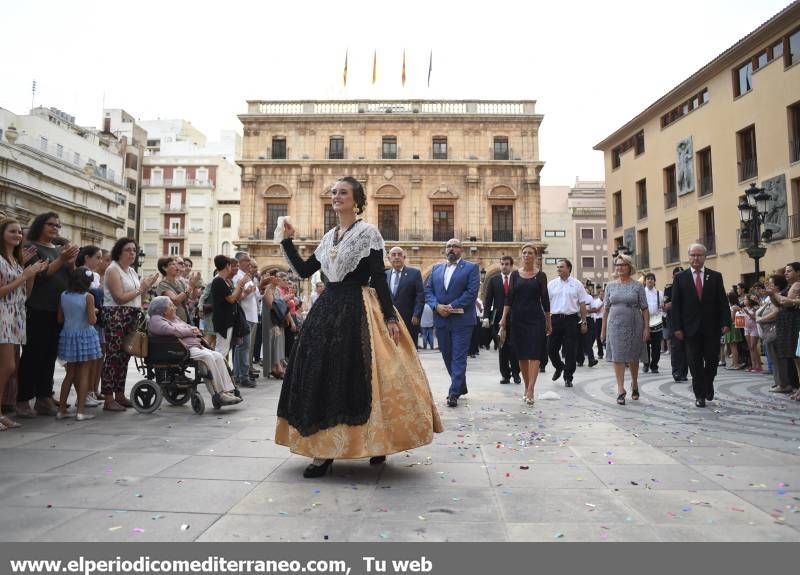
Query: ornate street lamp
point(139, 260)
point(752, 213)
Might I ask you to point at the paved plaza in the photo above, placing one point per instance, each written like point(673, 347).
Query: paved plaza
point(577, 468)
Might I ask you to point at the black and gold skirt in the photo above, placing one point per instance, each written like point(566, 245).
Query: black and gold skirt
point(349, 391)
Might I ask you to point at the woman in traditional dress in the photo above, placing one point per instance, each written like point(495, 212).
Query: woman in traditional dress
point(354, 386)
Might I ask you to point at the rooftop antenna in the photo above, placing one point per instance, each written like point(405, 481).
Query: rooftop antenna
point(33, 93)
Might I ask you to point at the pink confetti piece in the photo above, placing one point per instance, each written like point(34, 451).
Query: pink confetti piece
point(137, 530)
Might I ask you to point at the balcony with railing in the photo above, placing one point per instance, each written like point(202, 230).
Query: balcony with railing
point(423, 235)
point(711, 244)
point(748, 169)
point(672, 255)
point(706, 185)
point(794, 151)
point(354, 107)
point(642, 210)
point(176, 183)
point(617, 220)
point(173, 233)
point(794, 226)
point(642, 261)
point(174, 208)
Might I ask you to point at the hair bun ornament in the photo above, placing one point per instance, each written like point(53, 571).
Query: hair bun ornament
point(88, 273)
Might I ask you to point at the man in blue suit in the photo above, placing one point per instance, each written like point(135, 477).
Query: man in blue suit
point(451, 291)
point(408, 294)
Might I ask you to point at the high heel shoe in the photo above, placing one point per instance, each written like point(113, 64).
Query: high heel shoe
point(9, 423)
point(621, 398)
point(635, 392)
point(313, 471)
point(529, 400)
point(377, 460)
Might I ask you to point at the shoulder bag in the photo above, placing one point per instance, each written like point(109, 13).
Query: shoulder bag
point(135, 343)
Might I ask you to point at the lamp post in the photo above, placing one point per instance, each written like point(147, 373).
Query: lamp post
point(752, 212)
point(139, 261)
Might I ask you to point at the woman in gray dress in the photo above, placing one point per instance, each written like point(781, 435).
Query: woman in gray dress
point(625, 325)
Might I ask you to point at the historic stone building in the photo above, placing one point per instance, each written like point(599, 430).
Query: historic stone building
point(432, 170)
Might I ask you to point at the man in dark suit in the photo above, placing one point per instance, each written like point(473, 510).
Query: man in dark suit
point(451, 291)
point(408, 294)
point(493, 303)
point(700, 314)
point(677, 351)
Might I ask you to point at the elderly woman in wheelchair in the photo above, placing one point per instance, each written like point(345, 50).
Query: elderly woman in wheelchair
point(165, 327)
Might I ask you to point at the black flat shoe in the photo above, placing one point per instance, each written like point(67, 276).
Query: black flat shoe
point(700, 402)
point(557, 374)
point(313, 471)
point(377, 460)
point(452, 401)
point(635, 393)
point(621, 398)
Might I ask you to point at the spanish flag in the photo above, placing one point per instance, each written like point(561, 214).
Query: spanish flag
point(345, 67)
point(374, 65)
point(404, 68)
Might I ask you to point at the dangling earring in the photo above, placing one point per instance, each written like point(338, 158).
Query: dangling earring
point(355, 210)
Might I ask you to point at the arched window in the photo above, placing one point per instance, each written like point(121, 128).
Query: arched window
point(226, 248)
point(226, 220)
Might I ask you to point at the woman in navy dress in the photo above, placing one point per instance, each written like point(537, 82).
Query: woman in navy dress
point(527, 305)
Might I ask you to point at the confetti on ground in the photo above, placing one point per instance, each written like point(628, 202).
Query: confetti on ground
point(524, 467)
point(384, 535)
point(115, 528)
point(558, 535)
point(154, 517)
point(592, 505)
point(421, 517)
point(282, 513)
point(185, 527)
point(137, 530)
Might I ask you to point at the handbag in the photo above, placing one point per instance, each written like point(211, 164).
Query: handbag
point(278, 311)
point(739, 320)
point(136, 343)
point(769, 332)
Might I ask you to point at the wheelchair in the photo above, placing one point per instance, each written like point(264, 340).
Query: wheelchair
point(165, 370)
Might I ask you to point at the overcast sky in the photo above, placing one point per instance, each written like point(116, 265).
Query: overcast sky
point(590, 64)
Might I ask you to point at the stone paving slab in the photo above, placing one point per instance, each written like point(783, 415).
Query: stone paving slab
point(579, 468)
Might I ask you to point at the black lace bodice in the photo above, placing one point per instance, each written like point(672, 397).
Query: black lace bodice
point(370, 271)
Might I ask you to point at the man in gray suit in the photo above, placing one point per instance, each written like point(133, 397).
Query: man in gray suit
point(408, 293)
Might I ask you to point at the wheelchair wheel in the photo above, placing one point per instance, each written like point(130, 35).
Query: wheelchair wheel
point(177, 396)
point(198, 404)
point(146, 396)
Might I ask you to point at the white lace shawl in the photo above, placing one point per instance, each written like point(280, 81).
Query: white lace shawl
point(356, 244)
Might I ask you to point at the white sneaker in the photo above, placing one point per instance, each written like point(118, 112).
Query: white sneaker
point(66, 415)
point(85, 416)
point(91, 402)
point(229, 399)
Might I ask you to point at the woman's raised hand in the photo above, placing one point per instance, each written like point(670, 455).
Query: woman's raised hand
point(288, 230)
